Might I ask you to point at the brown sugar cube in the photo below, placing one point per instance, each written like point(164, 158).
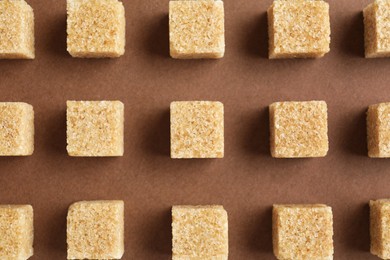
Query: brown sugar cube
point(377, 29)
point(298, 29)
point(302, 232)
point(16, 129)
point(16, 30)
point(17, 232)
point(95, 230)
point(199, 232)
point(380, 228)
point(378, 130)
point(96, 28)
point(95, 128)
point(299, 129)
point(196, 29)
point(197, 129)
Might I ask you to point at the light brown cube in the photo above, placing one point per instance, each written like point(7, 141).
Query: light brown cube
point(197, 129)
point(95, 128)
point(196, 29)
point(199, 232)
point(302, 232)
point(16, 129)
point(16, 30)
point(17, 232)
point(298, 29)
point(299, 129)
point(380, 228)
point(96, 28)
point(377, 29)
point(378, 130)
point(95, 230)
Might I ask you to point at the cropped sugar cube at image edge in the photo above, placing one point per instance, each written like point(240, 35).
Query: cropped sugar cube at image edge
point(199, 232)
point(16, 30)
point(95, 230)
point(96, 29)
point(196, 29)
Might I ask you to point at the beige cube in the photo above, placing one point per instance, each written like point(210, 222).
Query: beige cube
point(95, 230)
point(16, 129)
point(196, 29)
point(377, 29)
point(298, 29)
point(299, 129)
point(95, 128)
point(96, 28)
point(197, 129)
point(380, 228)
point(302, 232)
point(378, 130)
point(199, 232)
point(17, 232)
point(16, 30)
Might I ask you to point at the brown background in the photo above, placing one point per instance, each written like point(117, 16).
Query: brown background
point(247, 181)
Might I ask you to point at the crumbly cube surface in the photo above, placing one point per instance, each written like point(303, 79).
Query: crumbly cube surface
point(378, 130)
point(299, 129)
point(377, 29)
point(380, 228)
point(96, 28)
point(95, 128)
point(196, 29)
point(95, 230)
point(302, 232)
point(298, 29)
point(16, 129)
point(16, 30)
point(17, 232)
point(199, 232)
point(197, 129)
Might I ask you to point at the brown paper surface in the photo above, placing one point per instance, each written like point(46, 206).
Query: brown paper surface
point(247, 181)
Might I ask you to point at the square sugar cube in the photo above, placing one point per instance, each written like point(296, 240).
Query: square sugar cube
point(16, 30)
point(298, 29)
point(377, 29)
point(197, 129)
point(16, 129)
point(95, 128)
point(199, 232)
point(95, 230)
point(299, 129)
point(196, 29)
point(378, 130)
point(380, 228)
point(302, 232)
point(17, 232)
point(96, 28)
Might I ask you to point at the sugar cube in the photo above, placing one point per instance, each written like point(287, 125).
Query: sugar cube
point(199, 232)
point(95, 230)
point(380, 228)
point(378, 130)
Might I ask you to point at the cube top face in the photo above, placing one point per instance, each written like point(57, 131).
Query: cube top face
point(197, 129)
point(196, 29)
point(199, 232)
point(16, 129)
point(95, 128)
point(377, 29)
point(303, 232)
point(95, 230)
point(380, 228)
point(299, 129)
point(96, 28)
point(16, 30)
point(16, 228)
point(378, 130)
point(299, 29)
